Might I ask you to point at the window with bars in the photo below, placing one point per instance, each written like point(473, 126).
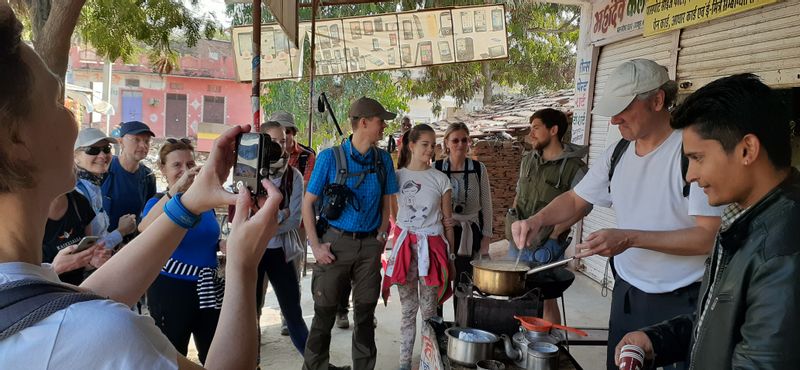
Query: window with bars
point(214, 109)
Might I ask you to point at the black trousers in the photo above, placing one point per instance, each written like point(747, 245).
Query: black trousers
point(175, 307)
point(633, 309)
point(462, 263)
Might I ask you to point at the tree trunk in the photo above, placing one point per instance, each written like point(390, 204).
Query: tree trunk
point(486, 71)
point(52, 40)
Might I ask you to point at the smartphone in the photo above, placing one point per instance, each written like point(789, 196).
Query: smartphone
point(408, 32)
point(405, 54)
point(444, 51)
point(335, 34)
point(464, 49)
point(86, 243)
point(337, 54)
point(368, 30)
point(497, 20)
point(496, 51)
point(378, 25)
point(355, 30)
point(445, 24)
point(392, 39)
point(425, 53)
point(466, 22)
point(326, 54)
point(354, 52)
point(480, 21)
point(362, 62)
point(418, 24)
point(390, 58)
point(245, 171)
point(376, 44)
point(374, 60)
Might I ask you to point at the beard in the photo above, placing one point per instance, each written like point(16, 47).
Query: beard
point(540, 144)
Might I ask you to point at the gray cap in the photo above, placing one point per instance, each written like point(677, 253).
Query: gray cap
point(90, 136)
point(628, 80)
point(284, 118)
point(365, 108)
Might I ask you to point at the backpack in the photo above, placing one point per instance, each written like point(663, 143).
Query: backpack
point(302, 158)
point(23, 303)
point(619, 150)
point(476, 169)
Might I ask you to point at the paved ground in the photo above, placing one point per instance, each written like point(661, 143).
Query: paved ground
point(585, 308)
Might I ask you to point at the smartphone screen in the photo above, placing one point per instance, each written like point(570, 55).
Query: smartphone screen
point(444, 51)
point(376, 44)
point(408, 32)
point(446, 24)
point(405, 53)
point(367, 27)
point(378, 25)
point(466, 22)
point(497, 20)
point(244, 171)
point(335, 34)
point(355, 30)
point(480, 21)
point(426, 52)
point(392, 39)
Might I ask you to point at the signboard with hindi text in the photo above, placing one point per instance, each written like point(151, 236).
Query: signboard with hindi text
point(612, 18)
point(667, 15)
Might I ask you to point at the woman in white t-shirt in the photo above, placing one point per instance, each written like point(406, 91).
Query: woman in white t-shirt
point(421, 263)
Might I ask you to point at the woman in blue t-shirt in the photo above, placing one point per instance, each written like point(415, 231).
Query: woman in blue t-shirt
point(186, 297)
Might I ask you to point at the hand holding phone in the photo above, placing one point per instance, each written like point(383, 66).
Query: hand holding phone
point(85, 243)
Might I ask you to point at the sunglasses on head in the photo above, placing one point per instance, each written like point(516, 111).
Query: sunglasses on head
point(463, 140)
point(173, 140)
point(95, 150)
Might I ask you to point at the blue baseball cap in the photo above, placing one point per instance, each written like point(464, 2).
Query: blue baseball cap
point(134, 128)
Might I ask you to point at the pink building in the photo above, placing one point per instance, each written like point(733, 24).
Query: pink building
point(194, 100)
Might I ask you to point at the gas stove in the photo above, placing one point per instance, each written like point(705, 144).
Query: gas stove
point(495, 313)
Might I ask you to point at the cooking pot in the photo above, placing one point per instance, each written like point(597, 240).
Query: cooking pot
point(476, 345)
point(505, 277)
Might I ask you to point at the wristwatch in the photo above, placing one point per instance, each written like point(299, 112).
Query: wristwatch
point(383, 235)
point(452, 256)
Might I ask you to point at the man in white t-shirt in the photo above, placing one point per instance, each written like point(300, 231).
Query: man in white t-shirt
point(664, 236)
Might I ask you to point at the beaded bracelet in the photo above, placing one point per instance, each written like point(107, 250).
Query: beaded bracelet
point(179, 214)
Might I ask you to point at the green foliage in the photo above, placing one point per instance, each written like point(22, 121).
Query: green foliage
point(118, 28)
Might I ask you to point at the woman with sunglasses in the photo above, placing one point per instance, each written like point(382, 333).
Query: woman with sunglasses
point(186, 297)
point(472, 200)
point(92, 159)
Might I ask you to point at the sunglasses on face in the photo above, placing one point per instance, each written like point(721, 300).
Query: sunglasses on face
point(184, 140)
point(463, 140)
point(95, 150)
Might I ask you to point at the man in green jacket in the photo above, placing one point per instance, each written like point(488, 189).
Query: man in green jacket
point(736, 134)
point(551, 168)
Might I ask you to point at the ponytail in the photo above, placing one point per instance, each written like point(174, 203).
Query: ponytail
point(411, 136)
point(405, 153)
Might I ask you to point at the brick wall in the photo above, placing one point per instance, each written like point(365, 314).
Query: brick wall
point(502, 160)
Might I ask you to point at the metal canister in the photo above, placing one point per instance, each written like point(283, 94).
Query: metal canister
point(542, 356)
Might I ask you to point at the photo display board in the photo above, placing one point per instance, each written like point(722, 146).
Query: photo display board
point(381, 42)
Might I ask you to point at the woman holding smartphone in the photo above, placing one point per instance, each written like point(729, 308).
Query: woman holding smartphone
point(92, 159)
point(422, 256)
point(186, 297)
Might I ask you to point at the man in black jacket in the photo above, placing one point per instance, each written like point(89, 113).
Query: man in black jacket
point(737, 138)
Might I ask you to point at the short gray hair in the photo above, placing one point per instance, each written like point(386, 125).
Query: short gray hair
point(670, 89)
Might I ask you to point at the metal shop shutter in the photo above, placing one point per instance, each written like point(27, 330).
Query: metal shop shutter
point(764, 41)
point(603, 135)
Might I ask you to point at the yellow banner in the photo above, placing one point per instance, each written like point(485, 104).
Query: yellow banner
point(667, 15)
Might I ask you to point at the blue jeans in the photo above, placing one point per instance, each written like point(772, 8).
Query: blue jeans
point(282, 276)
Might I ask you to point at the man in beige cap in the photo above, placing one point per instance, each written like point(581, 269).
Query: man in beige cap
point(666, 227)
point(347, 244)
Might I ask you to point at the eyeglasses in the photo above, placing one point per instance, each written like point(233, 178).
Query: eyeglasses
point(463, 140)
point(184, 140)
point(95, 150)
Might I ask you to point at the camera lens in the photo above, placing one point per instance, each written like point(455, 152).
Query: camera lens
point(459, 209)
point(271, 152)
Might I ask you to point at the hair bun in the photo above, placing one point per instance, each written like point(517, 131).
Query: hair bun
point(10, 33)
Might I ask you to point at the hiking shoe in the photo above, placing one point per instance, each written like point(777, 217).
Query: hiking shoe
point(341, 321)
point(284, 330)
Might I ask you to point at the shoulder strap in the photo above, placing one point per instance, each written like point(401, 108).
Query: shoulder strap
point(24, 303)
point(341, 164)
point(71, 198)
point(622, 145)
point(684, 169)
point(438, 164)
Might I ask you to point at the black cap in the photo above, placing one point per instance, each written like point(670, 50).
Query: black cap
point(365, 108)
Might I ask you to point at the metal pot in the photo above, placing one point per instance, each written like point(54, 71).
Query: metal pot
point(542, 356)
point(490, 365)
point(468, 353)
point(516, 347)
point(499, 277)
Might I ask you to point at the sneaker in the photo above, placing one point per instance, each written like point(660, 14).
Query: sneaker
point(341, 321)
point(284, 330)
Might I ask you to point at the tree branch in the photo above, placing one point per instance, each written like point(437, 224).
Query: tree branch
point(60, 24)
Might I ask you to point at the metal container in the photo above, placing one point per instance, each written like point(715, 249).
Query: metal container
point(468, 353)
point(490, 365)
point(542, 356)
point(499, 277)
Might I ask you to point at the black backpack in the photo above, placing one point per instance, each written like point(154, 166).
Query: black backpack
point(302, 158)
point(619, 150)
point(476, 169)
point(24, 303)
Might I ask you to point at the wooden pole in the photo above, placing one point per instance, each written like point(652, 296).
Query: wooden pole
point(310, 126)
point(255, 94)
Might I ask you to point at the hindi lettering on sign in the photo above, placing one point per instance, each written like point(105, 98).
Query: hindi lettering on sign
point(580, 102)
point(585, 66)
point(581, 85)
point(667, 15)
point(616, 17)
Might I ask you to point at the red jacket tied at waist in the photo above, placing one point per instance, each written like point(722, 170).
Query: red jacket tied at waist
point(438, 273)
